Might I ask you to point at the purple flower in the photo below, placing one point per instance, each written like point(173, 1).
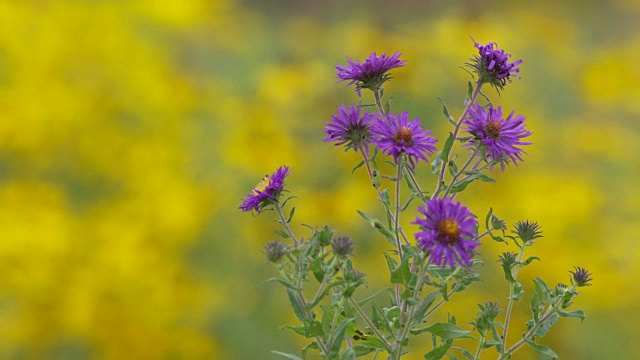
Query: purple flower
point(492, 65)
point(371, 73)
point(395, 134)
point(267, 190)
point(448, 232)
point(497, 137)
point(349, 127)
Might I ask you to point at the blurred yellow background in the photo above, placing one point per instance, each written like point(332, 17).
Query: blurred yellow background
point(131, 130)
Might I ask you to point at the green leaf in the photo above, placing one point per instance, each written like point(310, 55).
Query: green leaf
point(574, 314)
point(445, 112)
point(281, 233)
point(338, 336)
point(298, 329)
point(281, 281)
point(349, 354)
point(385, 197)
point(435, 164)
point(546, 326)
point(313, 328)
point(402, 274)
point(295, 305)
point(306, 349)
point(437, 353)
point(293, 210)
point(362, 350)
point(447, 146)
point(543, 289)
point(316, 268)
point(464, 352)
point(467, 100)
point(357, 166)
point(447, 331)
point(378, 226)
point(543, 352)
point(374, 343)
point(288, 356)
point(488, 219)
point(529, 260)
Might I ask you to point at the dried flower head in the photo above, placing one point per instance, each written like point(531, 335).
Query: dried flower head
point(371, 73)
point(267, 190)
point(350, 127)
point(395, 134)
point(342, 246)
point(580, 277)
point(274, 251)
point(447, 232)
point(492, 65)
point(496, 137)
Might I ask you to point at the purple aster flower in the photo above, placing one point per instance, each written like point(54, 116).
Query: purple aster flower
point(350, 127)
point(448, 232)
point(497, 137)
point(371, 73)
point(395, 134)
point(492, 65)
point(267, 190)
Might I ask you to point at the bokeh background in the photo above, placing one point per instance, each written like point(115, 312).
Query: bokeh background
point(131, 130)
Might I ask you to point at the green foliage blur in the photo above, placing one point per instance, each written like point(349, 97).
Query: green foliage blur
point(131, 130)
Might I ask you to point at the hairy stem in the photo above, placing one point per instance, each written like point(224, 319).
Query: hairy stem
point(369, 323)
point(285, 224)
point(445, 160)
point(507, 318)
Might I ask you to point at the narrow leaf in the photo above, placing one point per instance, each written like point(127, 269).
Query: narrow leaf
point(295, 305)
point(543, 352)
point(447, 331)
point(437, 353)
point(281, 233)
point(445, 112)
point(288, 356)
point(575, 314)
point(357, 166)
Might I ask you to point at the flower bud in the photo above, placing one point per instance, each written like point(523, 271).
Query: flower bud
point(342, 246)
point(581, 277)
point(274, 251)
point(527, 231)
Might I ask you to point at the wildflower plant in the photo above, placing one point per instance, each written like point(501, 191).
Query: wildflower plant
point(439, 259)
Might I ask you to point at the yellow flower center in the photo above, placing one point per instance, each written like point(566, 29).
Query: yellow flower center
point(403, 137)
point(492, 129)
point(262, 185)
point(448, 229)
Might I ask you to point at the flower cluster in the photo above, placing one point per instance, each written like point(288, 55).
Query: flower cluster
point(441, 257)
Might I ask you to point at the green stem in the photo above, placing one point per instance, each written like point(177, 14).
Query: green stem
point(285, 224)
point(370, 324)
point(529, 335)
point(507, 318)
point(409, 321)
point(397, 217)
point(464, 167)
point(365, 157)
point(376, 94)
point(480, 345)
point(445, 160)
